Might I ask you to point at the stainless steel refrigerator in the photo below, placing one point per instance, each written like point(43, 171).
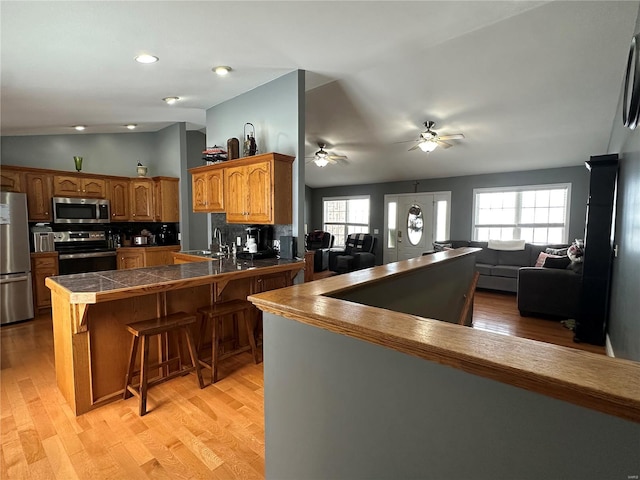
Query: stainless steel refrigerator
point(15, 261)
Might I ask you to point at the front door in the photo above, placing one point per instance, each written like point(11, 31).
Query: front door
point(413, 222)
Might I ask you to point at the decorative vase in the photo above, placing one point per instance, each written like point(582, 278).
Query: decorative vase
point(142, 170)
point(78, 163)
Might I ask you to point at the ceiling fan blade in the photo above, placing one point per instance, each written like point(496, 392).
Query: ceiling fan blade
point(455, 136)
point(405, 141)
point(443, 144)
point(336, 157)
point(415, 146)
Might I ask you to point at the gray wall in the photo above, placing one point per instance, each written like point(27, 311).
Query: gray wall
point(461, 189)
point(106, 154)
point(276, 110)
point(624, 320)
point(340, 408)
point(194, 233)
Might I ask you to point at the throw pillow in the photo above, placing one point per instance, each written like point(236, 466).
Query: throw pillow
point(557, 251)
point(541, 258)
point(557, 262)
point(441, 247)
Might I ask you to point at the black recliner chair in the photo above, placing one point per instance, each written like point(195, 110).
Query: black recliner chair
point(357, 254)
point(321, 242)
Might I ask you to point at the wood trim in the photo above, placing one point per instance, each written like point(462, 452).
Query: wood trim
point(608, 385)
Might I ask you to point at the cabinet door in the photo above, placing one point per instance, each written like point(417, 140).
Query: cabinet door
point(167, 202)
point(43, 266)
point(235, 196)
point(94, 187)
point(142, 200)
point(39, 196)
point(119, 198)
point(130, 260)
point(11, 180)
point(67, 186)
point(160, 256)
point(259, 193)
point(207, 194)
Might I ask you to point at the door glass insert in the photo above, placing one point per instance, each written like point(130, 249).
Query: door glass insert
point(415, 224)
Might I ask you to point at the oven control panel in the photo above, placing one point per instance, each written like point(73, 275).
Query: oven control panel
point(79, 237)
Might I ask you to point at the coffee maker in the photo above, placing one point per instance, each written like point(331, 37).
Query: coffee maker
point(167, 235)
point(259, 242)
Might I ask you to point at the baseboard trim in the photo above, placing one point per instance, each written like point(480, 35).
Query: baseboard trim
point(608, 347)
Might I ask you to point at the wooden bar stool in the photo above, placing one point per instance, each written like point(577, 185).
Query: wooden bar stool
point(142, 331)
point(241, 311)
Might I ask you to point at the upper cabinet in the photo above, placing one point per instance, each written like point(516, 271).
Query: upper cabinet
point(118, 195)
point(79, 186)
point(167, 199)
point(208, 188)
point(141, 191)
point(38, 186)
point(141, 199)
point(11, 180)
point(255, 190)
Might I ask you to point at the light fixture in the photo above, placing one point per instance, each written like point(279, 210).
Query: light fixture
point(131, 126)
point(428, 145)
point(146, 58)
point(222, 70)
point(321, 161)
point(171, 100)
point(79, 127)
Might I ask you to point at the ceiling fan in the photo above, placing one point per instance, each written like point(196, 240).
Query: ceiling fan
point(429, 140)
point(322, 158)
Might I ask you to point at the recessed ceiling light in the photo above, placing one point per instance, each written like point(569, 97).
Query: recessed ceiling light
point(131, 126)
point(146, 58)
point(222, 70)
point(171, 100)
point(79, 127)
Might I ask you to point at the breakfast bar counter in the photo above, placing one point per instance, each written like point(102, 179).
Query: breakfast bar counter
point(90, 312)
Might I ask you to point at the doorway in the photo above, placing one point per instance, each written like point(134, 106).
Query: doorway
point(413, 221)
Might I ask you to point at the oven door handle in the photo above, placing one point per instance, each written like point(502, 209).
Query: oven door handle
point(71, 256)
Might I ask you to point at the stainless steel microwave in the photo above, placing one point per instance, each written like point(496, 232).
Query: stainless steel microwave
point(81, 210)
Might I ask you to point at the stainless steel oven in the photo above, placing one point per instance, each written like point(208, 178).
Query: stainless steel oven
point(83, 251)
point(81, 210)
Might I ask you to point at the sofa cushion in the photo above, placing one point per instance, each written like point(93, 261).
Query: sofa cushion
point(486, 256)
point(536, 248)
point(483, 268)
point(520, 258)
point(510, 271)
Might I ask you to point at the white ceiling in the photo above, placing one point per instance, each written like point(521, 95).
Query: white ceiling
point(530, 84)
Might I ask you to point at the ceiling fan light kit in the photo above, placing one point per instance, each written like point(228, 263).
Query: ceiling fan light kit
point(429, 140)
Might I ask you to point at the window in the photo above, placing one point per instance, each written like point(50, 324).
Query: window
point(536, 214)
point(345, 215)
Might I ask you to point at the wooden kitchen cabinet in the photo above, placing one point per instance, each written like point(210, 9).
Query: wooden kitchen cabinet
point(11, 180)
point(141, 191)
point(137, 257)
point(118, 195)
point(79, 186)
point(208, 190)
point(167, 199)
point(38, 187)
point(130, 258)
point(43, 265)
point(258, 189)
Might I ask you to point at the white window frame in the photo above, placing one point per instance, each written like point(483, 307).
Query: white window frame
point(346, 224)
point(517, 225)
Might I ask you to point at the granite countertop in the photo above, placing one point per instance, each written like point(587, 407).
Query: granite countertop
point(86, 287)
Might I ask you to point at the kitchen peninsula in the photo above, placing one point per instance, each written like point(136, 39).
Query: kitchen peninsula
point(90, 311)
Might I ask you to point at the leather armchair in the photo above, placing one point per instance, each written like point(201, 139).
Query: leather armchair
point(320, 242)
point(357, 254)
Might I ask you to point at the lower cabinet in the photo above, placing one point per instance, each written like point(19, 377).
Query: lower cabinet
point(43, 265)
point(138, 257)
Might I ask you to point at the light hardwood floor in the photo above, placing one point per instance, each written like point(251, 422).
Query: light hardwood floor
point(217, 432)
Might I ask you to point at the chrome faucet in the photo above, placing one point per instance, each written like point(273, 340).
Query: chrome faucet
point(216, 239)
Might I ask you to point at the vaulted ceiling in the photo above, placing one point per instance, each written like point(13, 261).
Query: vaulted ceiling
point(530, 84)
